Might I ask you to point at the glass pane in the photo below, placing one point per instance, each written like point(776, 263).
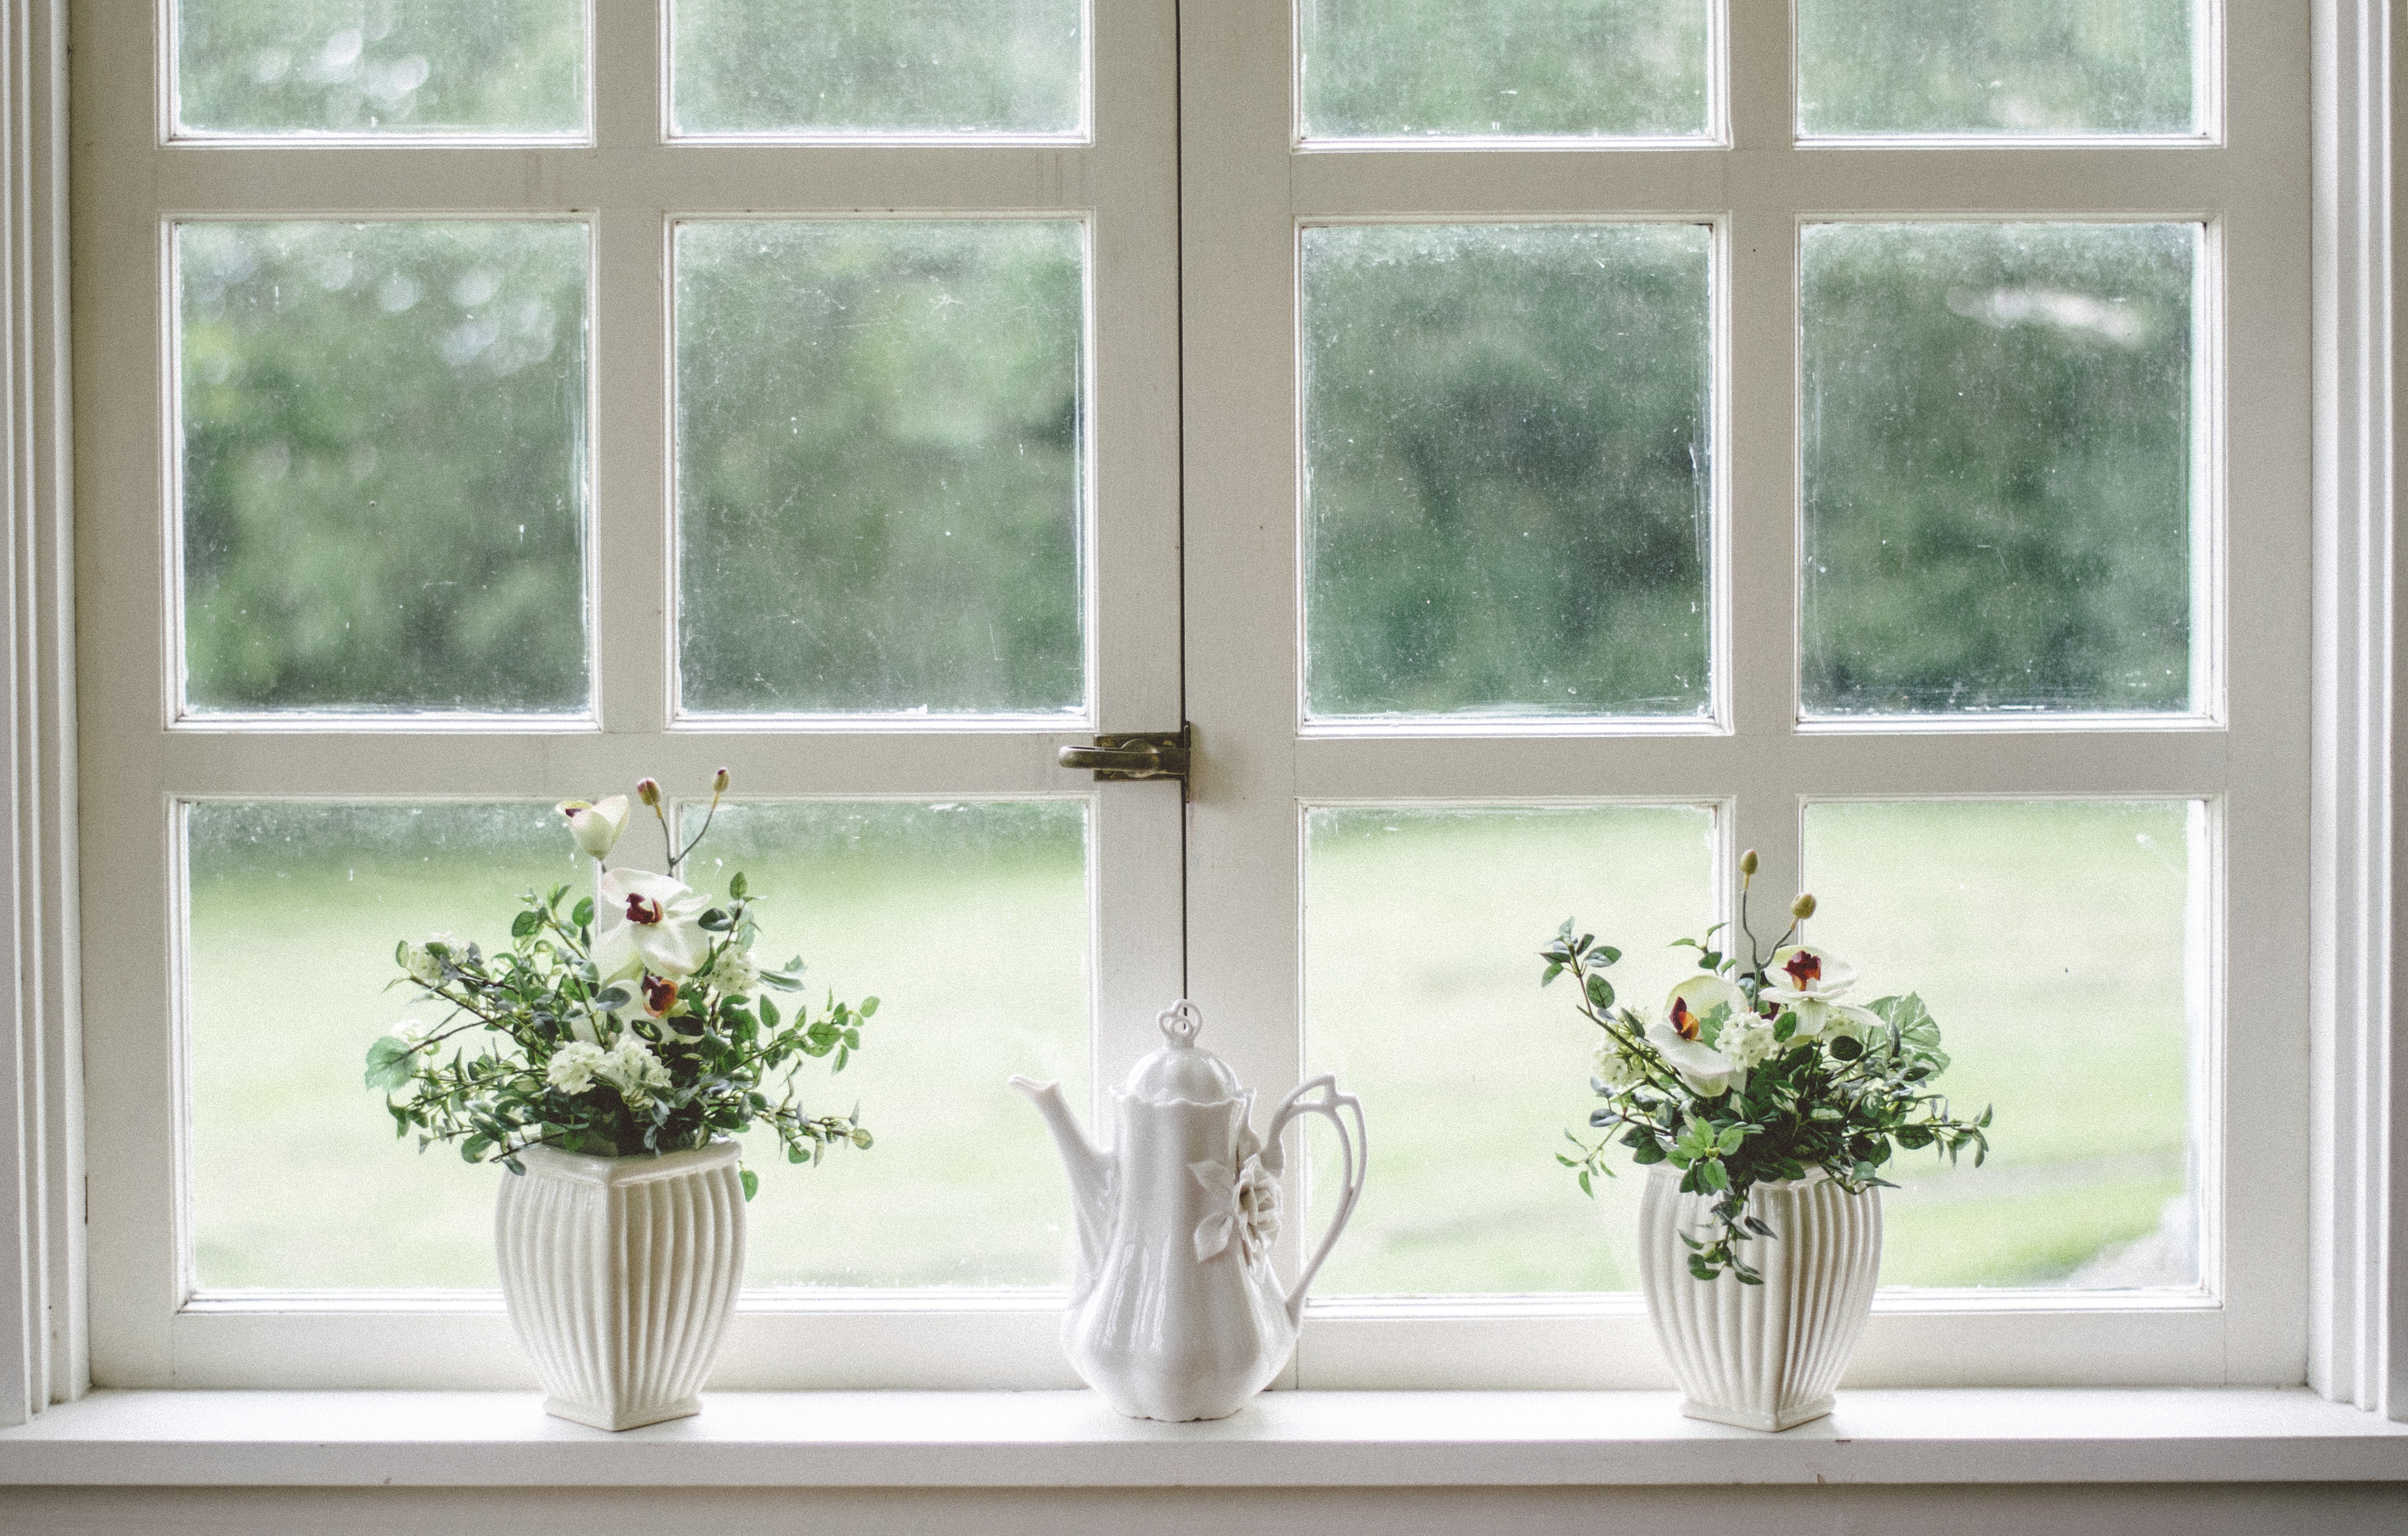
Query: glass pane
point(381, 66)
point(874, 67)
point(1507, 494)
point(315, 897)
point(298, 1180)
point(383, 465)
point(878, 467)
point(1490, 68)
point(2004, 68)
point(2056, 945)
point(1997, 450)
point(1422, 934)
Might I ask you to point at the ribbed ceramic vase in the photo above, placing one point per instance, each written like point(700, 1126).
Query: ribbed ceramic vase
point(1761, 1357)
point(620, 1274)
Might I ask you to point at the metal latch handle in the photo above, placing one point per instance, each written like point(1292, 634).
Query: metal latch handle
point(1125, 755)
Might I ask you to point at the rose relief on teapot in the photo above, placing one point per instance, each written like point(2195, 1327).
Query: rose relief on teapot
point(1175, 1311)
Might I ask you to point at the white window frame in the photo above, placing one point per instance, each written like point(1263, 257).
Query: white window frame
point(2355, 1319)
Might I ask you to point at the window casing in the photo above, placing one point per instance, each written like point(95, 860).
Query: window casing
point(1198, 460)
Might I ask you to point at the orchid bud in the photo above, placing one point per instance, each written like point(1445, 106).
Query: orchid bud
point(595, 826)
point(1803, 908)
point(1747, 862)
point(649, 791)
point(719, 783)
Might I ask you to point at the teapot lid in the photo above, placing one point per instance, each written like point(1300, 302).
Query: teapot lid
point(1180, 1071)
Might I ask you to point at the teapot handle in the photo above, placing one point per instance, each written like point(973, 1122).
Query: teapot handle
point(1356, 1147)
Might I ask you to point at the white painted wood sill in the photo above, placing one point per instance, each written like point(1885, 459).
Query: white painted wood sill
point(923, 1440)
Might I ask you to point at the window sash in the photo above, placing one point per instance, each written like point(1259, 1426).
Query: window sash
point(1243, 208)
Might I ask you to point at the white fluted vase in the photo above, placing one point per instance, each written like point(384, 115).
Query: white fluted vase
point(1761, 1357)
point(621, 1275)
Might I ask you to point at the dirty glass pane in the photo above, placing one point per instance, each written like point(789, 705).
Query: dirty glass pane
point(876, 69)
point(2060, 945)
point(2007, 68)
point(1507, 492)
point(1997, 442)
point(294, 68)
point(383, 465)
point(969, 922)
point(299, 1182)
point(1503, 68)
point(1422, 933)
point(879, 459)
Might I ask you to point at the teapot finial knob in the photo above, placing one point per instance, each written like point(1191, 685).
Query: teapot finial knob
point(1182, 1022)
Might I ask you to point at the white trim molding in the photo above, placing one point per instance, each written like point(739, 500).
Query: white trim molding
point(2359, 1313)
point(42, 1355)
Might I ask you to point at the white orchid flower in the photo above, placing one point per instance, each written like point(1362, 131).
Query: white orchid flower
point(647, 922)
point(1699, 996)
point(596, 825)
point(1705, 1069)
point(1803, 974)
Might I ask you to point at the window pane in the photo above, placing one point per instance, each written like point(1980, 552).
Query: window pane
point(1507, 493)
point(381, 66)
point(1998, 448)
point(296, 910)
point(1423, 928)
point(383, 465)
point(2058, 944)
point(1488, 68)
point(2005, 67)
point(880, 466)
point(297, 1178)
point(873, 67)
point(969, 923)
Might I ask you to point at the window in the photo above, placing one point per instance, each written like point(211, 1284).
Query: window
point(1533, 493)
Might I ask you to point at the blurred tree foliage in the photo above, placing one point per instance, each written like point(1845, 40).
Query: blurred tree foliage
point(1990, 66)
point(877, 449)
point(1508, 482)
point(1383, 68)
point(353, 67)
point(881, 434)
point(1997, 452)
point(849, 66)
point(383, 494)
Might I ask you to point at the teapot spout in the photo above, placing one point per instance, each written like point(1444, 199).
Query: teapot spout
point(1090, 1170)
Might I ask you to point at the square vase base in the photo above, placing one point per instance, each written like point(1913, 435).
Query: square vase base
point(1804, 1412)
point(632, 1418)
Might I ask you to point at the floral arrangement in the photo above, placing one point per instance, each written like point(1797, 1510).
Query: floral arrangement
point(1758, 1071)
point(634, 1020)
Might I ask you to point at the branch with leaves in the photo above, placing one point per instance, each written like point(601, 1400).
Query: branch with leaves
point(636, 1020)
point(1759, 1070)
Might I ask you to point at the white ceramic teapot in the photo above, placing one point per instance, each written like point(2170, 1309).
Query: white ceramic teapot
point(1174, 1311)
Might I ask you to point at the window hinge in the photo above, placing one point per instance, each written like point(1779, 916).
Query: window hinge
point(1121, 757)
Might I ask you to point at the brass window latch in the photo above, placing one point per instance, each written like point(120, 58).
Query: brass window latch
point(1121, 757)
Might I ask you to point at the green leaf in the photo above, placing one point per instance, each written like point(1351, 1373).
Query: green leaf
point(1611, 953)
point(582, 915)
point(768, 1013)
point(736, 887)
point(1731, 1140)
point(525, 922)
point(868, 1005)
point(752, 1180)
point(1600, 992)
point(391, 1063)
point(716, 920)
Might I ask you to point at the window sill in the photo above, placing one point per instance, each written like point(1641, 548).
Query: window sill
point(1026, 1439)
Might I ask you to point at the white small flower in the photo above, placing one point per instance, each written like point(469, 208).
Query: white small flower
point(421, 962)
point(573, 1067)
point(631, 1068)
point(733, 974)
point(1748, 1040)
point(1615, 1068)
point(410, 1031)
